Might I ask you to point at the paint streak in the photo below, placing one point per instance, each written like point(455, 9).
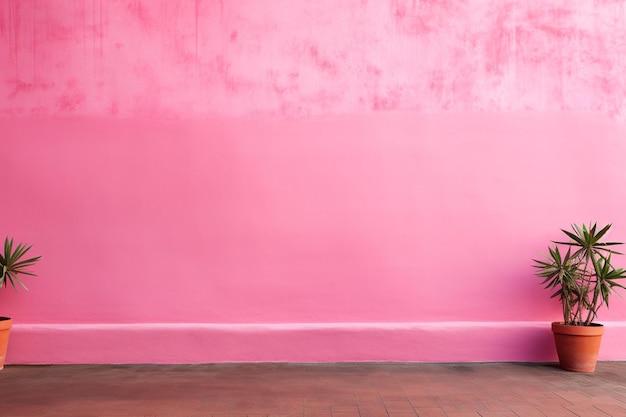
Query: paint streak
point(14, 30)
point(21, 87)
point(140, 10)
point(196, 34)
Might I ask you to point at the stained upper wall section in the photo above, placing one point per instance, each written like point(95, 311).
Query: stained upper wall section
point(284, 58)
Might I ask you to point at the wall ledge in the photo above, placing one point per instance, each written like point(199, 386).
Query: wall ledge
point(173, 343)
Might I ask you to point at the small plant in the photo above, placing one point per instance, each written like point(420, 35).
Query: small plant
point(13, 264)
point(581, 272)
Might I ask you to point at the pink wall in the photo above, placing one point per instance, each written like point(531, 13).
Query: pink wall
point(304, 181)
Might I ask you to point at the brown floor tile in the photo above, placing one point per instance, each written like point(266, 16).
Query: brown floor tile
point(423, 401)
point(586, 410)
point(496, 404)
point(373, 411)
point(370, 401)
point(556, 411)
point(399, 406)
point(526, 411)
point(343, 401)
point(460, 403)
point(343, 409)
point(430, 412)
point(612, 410)
point(317, 412)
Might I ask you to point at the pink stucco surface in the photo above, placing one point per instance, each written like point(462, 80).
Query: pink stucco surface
point(304, 181)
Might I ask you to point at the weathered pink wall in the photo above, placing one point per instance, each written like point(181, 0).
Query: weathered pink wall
point(304, 181)
point(280, 58)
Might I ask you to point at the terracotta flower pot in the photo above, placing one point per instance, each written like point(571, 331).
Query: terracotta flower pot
point(577, 346)
point(5, 328)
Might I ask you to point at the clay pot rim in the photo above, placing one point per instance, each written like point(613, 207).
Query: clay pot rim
point(5, 323)
point(594, 329)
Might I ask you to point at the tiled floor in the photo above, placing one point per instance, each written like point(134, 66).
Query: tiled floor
point(322, 390)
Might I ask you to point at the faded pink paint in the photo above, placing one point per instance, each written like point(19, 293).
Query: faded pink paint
point(306, 181)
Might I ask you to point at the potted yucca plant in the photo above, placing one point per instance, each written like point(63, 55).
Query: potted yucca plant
point(581, 275)
point(13, 263)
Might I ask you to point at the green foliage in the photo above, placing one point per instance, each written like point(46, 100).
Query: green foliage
point(13, 264)
point(580, 273)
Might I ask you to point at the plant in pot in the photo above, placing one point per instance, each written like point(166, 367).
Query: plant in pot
point(581, 274)
point(13, 263)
